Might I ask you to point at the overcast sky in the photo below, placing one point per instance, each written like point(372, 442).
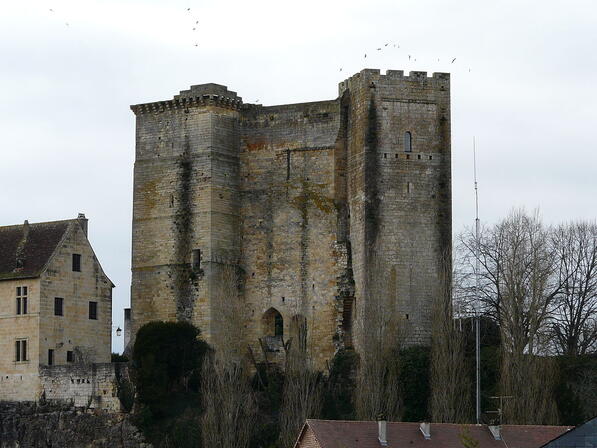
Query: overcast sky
point(523, 82)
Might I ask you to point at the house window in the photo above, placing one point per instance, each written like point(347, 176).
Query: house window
point(408, 142)
point(21, 350)
point(76, 262)
point(21, 302)
point(69, 356)
point(50, 357)
point(58, 305)
point(93, 310)
point(196, 258)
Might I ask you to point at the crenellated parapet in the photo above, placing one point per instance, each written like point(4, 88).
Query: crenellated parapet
point(201, 95)
point(373, 76)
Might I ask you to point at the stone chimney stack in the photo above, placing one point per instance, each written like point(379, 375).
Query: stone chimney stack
point(425, 428)
point(496, 431)
point(83, 221)
point(382, 428)
point(20, 253)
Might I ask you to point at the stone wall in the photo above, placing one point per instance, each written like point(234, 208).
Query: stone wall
point(51, 425)
point(18, 380)
point(93, 386)
point(88, 339)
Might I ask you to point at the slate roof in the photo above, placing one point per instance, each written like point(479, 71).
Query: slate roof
point(357, 434)
point(582, 436)
point(33, 247)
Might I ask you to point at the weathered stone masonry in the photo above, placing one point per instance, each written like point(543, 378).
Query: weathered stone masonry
point(296, 198)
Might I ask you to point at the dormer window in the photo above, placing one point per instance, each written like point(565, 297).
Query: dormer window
point(408, 146)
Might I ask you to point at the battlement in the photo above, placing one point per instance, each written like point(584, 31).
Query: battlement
point(374, 76)
point(200, 95)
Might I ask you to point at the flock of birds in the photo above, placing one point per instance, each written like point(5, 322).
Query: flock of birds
point(397, 46)
point(410, 57)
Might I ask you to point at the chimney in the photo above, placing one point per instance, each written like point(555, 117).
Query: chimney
point(20, 252)
point(83, 222)
point(382, 430)
point(496, 431)
point(425, 428)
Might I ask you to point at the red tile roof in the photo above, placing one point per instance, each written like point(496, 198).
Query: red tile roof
point(357, 434)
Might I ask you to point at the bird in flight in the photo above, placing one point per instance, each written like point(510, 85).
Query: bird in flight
point(453, 61)
point(188, 9)
point(51, 10)
point(409, 57)
point(341, 69)
point(386, 45)
point(379, 49)
point(365, 54)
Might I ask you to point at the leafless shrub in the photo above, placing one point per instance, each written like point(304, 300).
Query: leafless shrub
point(379, 332)
point(303, 384)
point(302, 393)
point(450, 384)
point(225, 384)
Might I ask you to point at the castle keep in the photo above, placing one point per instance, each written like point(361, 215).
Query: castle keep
point(303, 201)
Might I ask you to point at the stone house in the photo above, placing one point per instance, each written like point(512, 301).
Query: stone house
point(353, 434)
point(55, 304)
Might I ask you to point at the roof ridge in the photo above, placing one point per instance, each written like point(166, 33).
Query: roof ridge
point(60, 221)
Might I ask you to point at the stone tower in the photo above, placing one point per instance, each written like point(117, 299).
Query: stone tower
point(302, 201)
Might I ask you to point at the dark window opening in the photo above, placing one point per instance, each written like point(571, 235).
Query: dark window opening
point(24, 305)
point(419, 156)
point(18, 305)
point(50, 357)
point(408, 142)
point(408, 156)
point(76, 262)
point(69, 356)
point(58, 305)
point(196, 255)
point(93, 310)
point(385, 156)
point(430, 157)
point(396, 155)
point(406, 315)
point(21, 350)
point(278, 326)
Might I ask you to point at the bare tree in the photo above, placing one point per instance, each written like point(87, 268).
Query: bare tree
point(303, 384)
point(575, 322)
point(518, 288)
point(450, 384)
point(227, 420)
point(303, 390)
point(380, 333)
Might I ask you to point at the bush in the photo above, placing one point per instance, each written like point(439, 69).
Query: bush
point(338, 401)
point(166, 356)
point(414, 382)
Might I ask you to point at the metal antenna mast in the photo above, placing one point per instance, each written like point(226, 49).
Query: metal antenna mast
point(477, 288)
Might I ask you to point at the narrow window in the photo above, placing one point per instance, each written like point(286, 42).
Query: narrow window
point(21, 350)
point(58, 302)
point(278, 325)
point(196, 258)
point(76, 262)
point(50, 357)
point(93, 310)
point(408, 142)
point(21, 300)
point(69, 356)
